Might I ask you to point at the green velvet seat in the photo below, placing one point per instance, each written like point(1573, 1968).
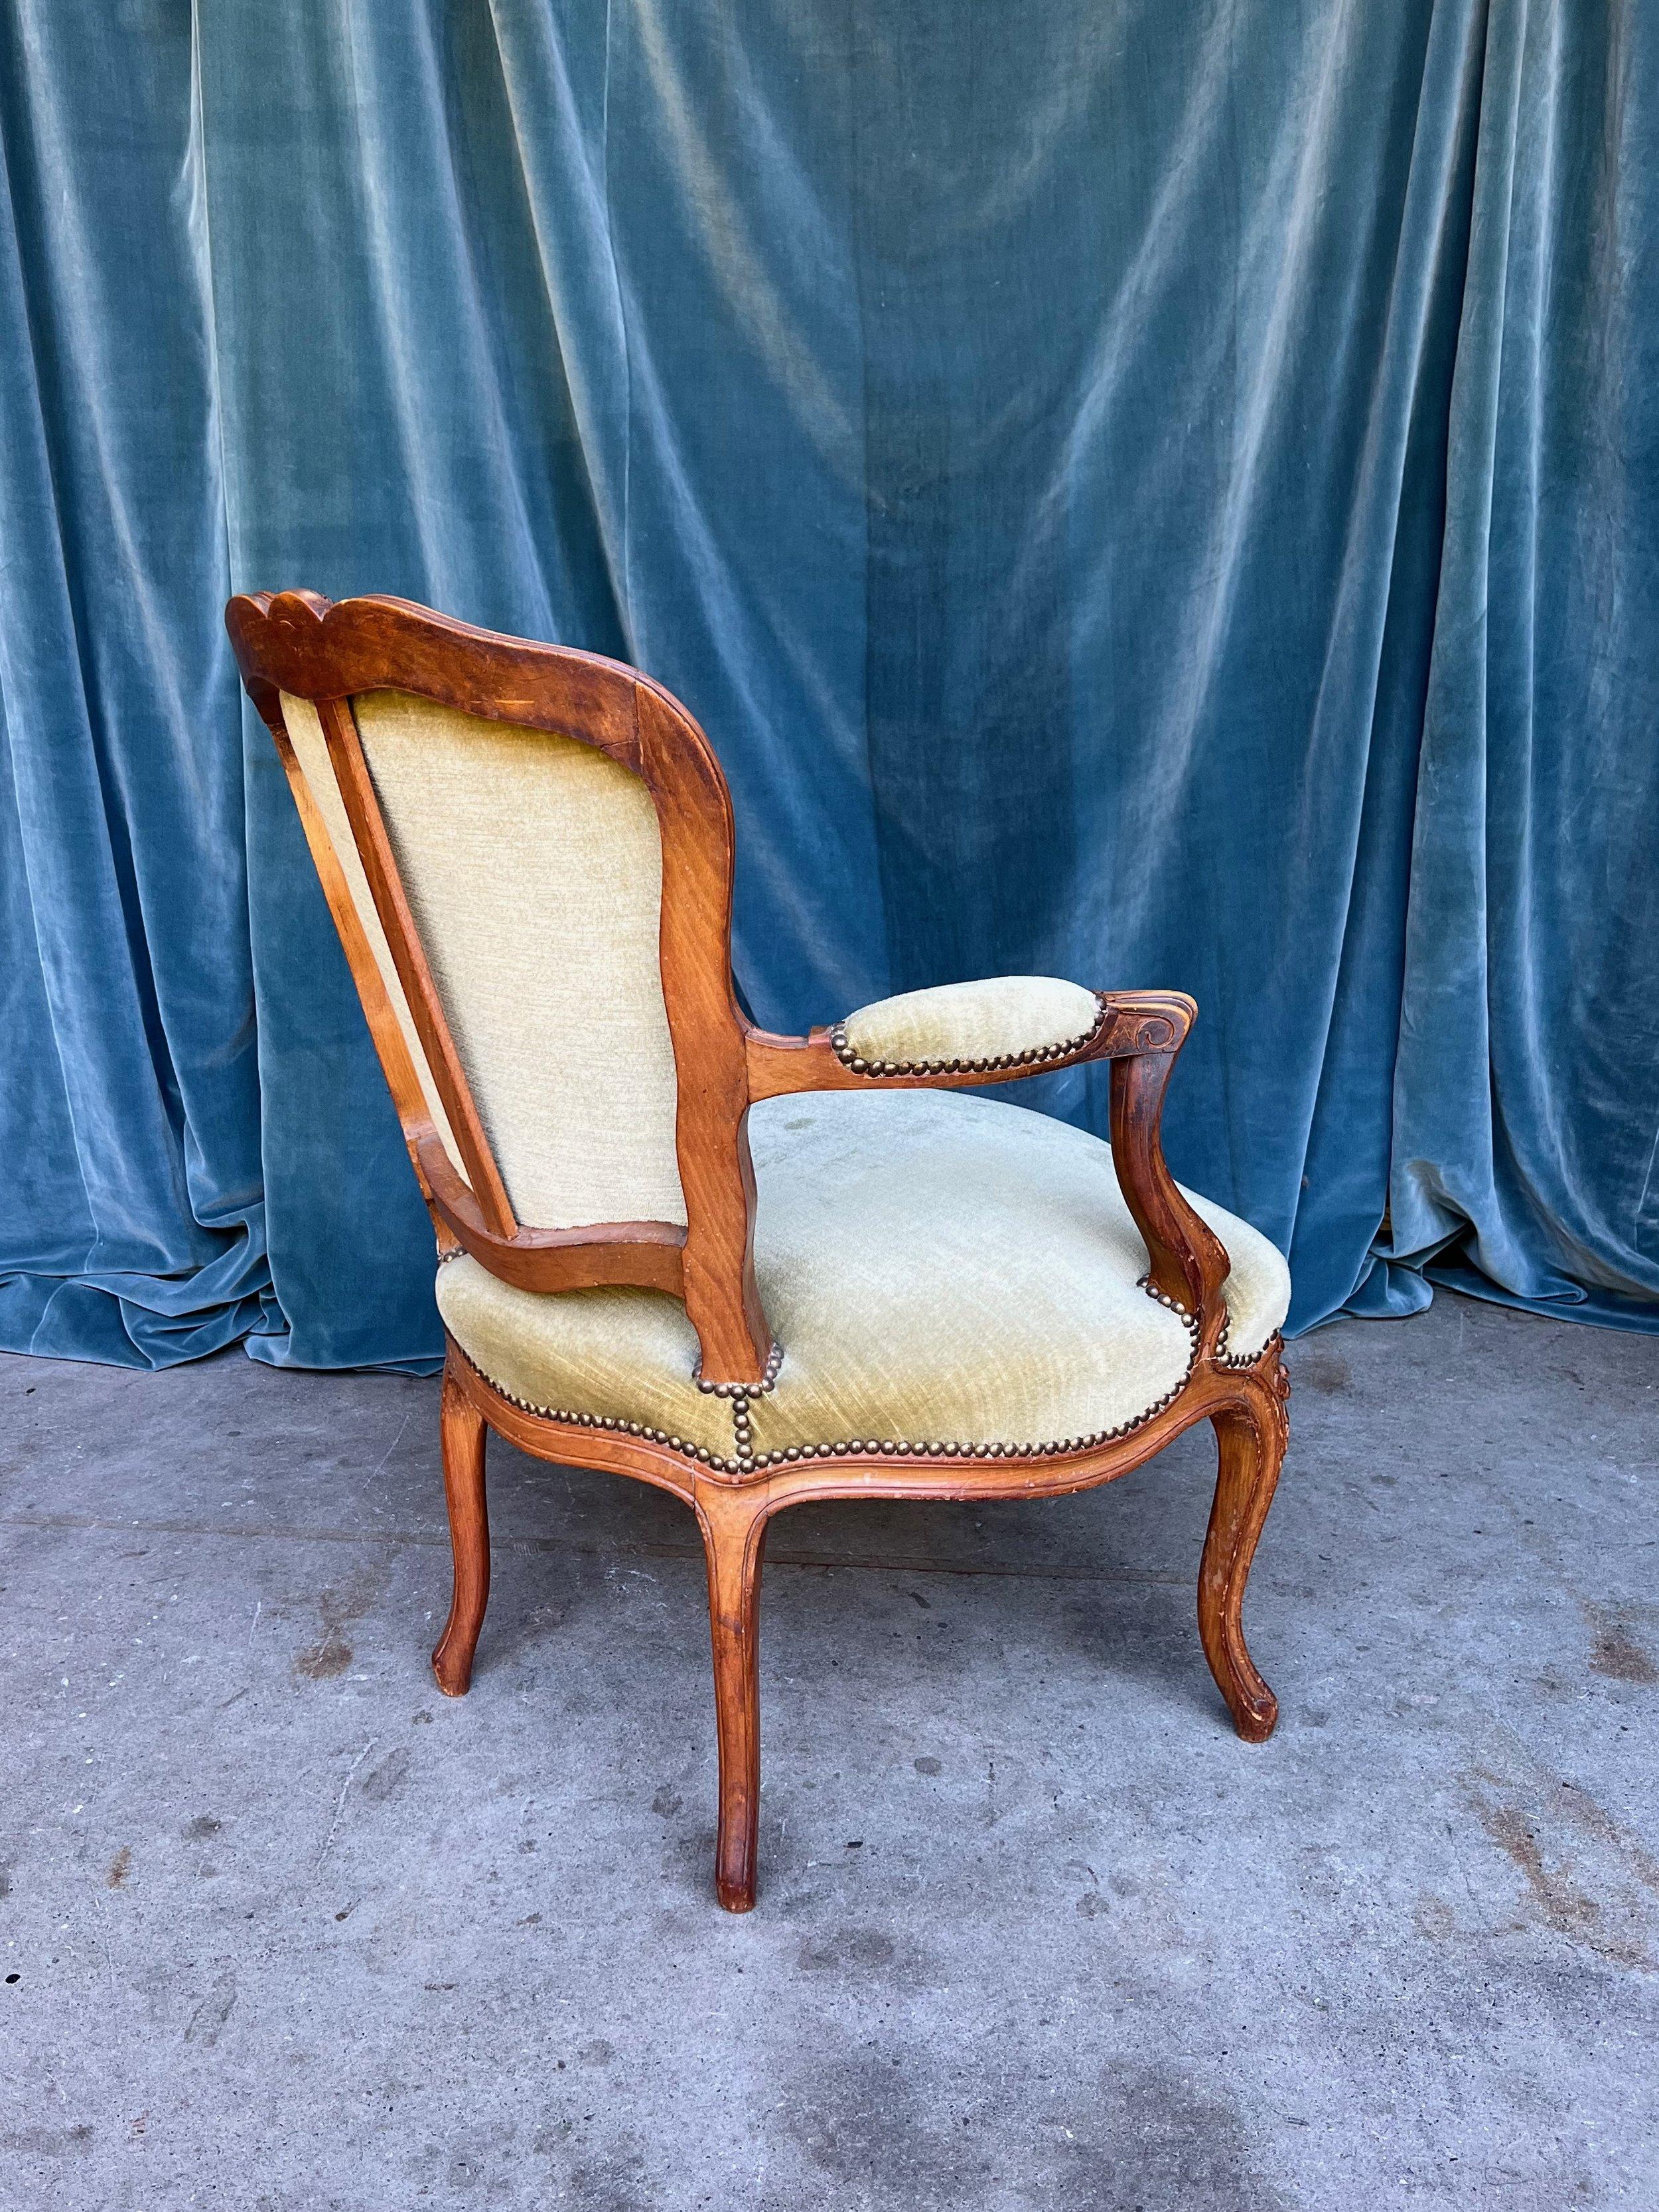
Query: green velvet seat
point(939, 1269)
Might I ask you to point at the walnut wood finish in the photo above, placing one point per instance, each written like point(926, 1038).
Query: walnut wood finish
point(1251, 1437)
point(1246, 1405)
point(297, 642)
point(1189, 1262)
point(734, 1539)
point(711, 1135)
point(368, 831)
point(463, 1433)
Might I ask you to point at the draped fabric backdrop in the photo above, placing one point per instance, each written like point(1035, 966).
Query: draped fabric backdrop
point(1165, 494)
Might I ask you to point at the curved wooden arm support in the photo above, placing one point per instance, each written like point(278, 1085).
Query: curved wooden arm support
point(1188, 1262)
point(646, 1255)
point(1141, 1032)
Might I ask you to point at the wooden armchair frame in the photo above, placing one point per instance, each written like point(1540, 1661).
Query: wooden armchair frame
point(297, 642)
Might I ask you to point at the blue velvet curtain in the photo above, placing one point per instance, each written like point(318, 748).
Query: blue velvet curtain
point(1159, 494)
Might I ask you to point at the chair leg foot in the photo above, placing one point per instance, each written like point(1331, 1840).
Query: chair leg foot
point(1251, 1439)
point(463, 1432)
point(734, 1533)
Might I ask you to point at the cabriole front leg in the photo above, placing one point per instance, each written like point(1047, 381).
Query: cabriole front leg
point(1251, 1436)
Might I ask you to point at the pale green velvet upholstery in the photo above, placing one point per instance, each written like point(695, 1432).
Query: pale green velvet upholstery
point(1003, 1020)
point(938, 1269)
point(532, 865)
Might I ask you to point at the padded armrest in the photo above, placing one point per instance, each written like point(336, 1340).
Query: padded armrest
point(1007, 1021)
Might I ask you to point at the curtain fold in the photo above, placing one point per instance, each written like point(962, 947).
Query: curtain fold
point(131, 1212)
point(1526, 1116)
point(1167, 497)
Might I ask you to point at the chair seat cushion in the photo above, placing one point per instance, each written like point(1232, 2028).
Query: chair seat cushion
point(939, 1270)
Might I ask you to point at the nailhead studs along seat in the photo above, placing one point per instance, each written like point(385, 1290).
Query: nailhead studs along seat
point(943, 1271)
point(749, 1268)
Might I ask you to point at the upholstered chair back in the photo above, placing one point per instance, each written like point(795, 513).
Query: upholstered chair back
point(532, 864)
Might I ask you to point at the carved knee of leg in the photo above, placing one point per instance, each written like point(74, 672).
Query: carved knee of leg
point(1250, 1445)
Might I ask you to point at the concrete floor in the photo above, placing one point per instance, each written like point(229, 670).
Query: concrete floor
point(284, 1929)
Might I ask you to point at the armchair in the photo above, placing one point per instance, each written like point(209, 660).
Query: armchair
point(749, 1268)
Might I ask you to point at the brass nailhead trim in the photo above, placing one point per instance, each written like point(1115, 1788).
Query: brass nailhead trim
point(745, 1391)
point(609, 1421)
point(748, 1462)
point(1225, 1359)
point(888, 1448)
point(1035, 1056)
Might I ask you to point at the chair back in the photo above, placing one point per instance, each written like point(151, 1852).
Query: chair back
point(527, 853)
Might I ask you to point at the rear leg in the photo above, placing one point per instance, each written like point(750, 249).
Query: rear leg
point(463, 1429)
